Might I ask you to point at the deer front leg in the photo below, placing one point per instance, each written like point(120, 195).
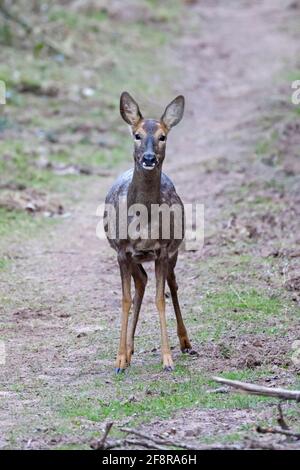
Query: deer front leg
point(140, 280)
point(125, 270)
point(160, 273)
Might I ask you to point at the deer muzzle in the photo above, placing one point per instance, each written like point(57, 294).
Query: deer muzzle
point(149, 160)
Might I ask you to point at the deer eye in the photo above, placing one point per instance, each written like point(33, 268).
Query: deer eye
point(162, 138)
point(137, 136)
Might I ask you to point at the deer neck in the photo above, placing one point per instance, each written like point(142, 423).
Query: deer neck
point(145, 187)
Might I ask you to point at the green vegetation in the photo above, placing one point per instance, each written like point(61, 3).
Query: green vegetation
point(159, 399)
point(69, 126)
point(16, 225)
point(62, 113)
point(4, 262)
point(241, 306)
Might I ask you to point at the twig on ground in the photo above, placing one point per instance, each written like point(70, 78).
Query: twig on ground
point(277, 430)
point(261, 390)
point(158, 440)
point(280, 420)
point(100, 445)
point(148, 444)
point(169, 443)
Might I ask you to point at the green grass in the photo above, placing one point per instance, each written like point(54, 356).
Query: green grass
point(262, 147)
point(232, 437)
point(128, 50)
point(17, 225)
point(266, 144)
point(4, 263)
point(19, 166)
point(77, 446)
point(242, 311)
point(241, 305)
point(70, 19)
point(163, 397)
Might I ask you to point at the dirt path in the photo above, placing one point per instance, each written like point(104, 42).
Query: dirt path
point(61, 334)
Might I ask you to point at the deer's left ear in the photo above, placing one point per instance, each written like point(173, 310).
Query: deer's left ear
point(173, 112)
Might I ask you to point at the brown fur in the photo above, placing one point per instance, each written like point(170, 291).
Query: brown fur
point(147, 187)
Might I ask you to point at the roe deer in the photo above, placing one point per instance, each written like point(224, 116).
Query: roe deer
point(147, 185)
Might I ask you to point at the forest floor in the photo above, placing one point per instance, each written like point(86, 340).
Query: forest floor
point(236, 151)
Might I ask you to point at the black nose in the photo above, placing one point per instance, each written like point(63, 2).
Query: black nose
point(149, 159)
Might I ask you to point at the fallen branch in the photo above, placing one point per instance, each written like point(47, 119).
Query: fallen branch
point(277, 430)
point(159, 440)
point(100, 445)
point(160, 443)
point(280, 420)
point(261, 390)
point(148, 444)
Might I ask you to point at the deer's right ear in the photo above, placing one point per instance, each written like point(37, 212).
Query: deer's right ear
point(129, 109)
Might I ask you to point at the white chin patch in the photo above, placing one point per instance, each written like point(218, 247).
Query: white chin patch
point(147, 167)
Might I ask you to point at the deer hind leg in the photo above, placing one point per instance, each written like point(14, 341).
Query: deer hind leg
point(184, 341)
point(125, 265)
point(161, 274)
point(140, 280)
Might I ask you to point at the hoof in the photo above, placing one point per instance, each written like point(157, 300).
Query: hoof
point(190, 352)
point(121, 363)
point(168, 369)
point(168, 364)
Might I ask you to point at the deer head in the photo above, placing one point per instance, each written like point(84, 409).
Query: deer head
point(150, 135)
